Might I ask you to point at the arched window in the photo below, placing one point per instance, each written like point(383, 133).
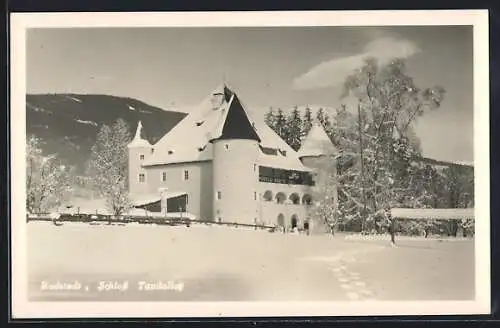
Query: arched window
point(294, 198)
point(280, 198)
point(307, 199)
point(268, 196)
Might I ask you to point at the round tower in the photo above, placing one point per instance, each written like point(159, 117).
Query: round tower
point(320, 155)
point(235, 165)
point(139, 149)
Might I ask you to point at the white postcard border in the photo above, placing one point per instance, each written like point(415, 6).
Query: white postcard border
point(22, 308)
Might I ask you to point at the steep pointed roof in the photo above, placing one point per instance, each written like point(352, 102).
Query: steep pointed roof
point(236, 123)
point(138, 140)
point(189, 140)
point(317, 143)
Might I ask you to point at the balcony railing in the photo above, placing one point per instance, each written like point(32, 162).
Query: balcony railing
point(280, 176)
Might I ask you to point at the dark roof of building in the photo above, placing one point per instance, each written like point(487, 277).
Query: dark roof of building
point(237, 125)
point(227, 93)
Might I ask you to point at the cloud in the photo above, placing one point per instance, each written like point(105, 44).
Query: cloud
point(333, 72)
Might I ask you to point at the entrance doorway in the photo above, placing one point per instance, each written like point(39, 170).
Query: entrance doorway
point(281, 220)
point(295, 221)
point(306, 225)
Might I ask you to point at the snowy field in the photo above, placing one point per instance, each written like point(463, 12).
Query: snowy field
point(215, 263)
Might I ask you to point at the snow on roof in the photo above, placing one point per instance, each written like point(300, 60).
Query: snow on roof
point(317, 143)
point(144, 199)
point(438, 162)
point(189, 140)
point(433, 213)
point(287, 162)
point(90, 206)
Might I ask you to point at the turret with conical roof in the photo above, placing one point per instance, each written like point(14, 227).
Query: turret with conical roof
point(317, 143)
point(318, 153)
point(139, 149)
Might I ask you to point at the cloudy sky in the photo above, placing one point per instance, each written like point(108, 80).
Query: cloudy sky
point(278, 66)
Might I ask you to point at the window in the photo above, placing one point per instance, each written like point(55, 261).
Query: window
point(152, 150)
point(141, 157)
point(142, 177)
point(186, 175)
point(219, 195)
point(255, 167)
point(254, 195)
point(187, 199)
point(164, 176)
point(269, 151)
point(227, 146)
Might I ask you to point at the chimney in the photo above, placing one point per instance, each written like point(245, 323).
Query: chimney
point(217, 100)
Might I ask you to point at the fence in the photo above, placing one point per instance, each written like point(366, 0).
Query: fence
point(172, 221)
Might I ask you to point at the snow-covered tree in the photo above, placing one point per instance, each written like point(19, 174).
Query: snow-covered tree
point(388, 102)
point(307, 121)
point(294, 129)
point(48, 181)
point(280, 124)
point(108, 166)
point(270, 118)
point(320, 116)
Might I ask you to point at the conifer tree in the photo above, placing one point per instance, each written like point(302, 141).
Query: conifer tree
point(294, 126)
point(307, 121)
point(280, 126)
point(270, 118)
point(320, 116)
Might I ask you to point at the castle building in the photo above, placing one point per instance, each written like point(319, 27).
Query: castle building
point(221, 164)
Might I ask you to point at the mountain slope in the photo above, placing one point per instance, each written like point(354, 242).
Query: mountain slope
point(68, 124)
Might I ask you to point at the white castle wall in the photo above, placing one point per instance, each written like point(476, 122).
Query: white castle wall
point(323, 165)
point(198, 186)
point(235, 176)
point(135, 168)
point(271, 209)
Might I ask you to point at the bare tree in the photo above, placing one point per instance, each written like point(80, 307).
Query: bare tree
point(48, 181)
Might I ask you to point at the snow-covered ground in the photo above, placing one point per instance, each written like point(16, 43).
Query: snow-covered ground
point(226, 263)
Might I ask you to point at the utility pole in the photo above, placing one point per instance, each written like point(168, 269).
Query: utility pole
point(360, 129)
